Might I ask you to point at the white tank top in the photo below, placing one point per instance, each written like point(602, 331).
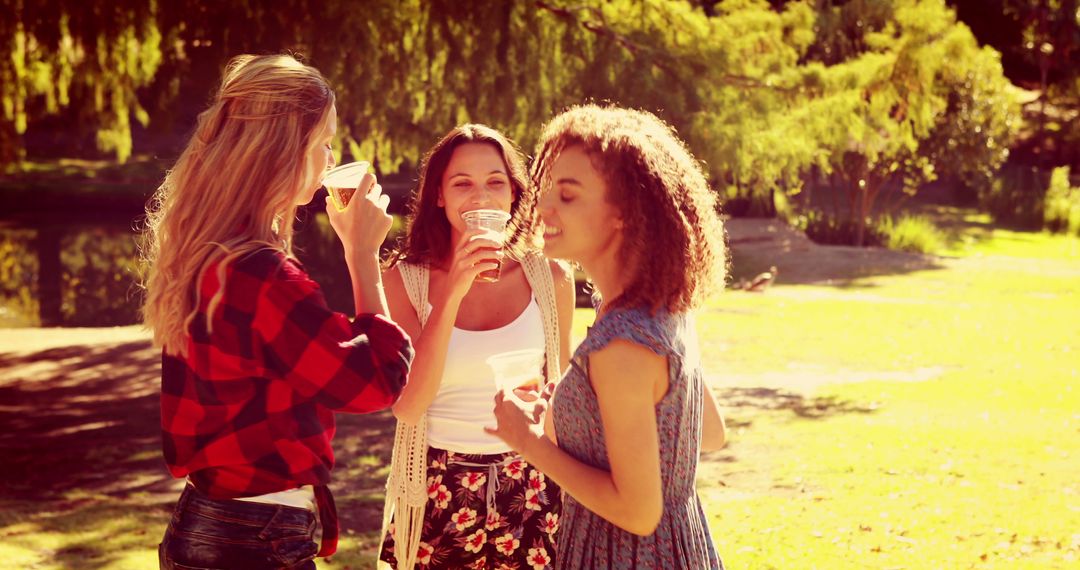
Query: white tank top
point(466, 399)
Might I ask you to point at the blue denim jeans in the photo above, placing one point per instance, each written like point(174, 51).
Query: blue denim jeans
point(213, 534)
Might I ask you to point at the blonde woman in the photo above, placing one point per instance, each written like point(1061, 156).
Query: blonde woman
point(254, 364)
point(623, 197)
point(461, 498)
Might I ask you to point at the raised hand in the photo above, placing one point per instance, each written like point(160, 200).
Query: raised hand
point(473, 254)
point(364, 223)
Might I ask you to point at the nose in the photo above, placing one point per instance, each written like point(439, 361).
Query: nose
point(545, 203)
point(331, 162)
point(482, 197)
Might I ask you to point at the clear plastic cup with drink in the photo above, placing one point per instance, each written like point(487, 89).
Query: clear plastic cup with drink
point(517, 369)
point(341, 182)
point(493, 223)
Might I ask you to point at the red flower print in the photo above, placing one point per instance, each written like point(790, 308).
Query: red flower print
point(464, 518)
point(515, 468)
point(532, 500)
point(538, 558)
point(507, 544)
point(475, 541)
point(494, 521)
point(473, 481)
point(441, 497)
point(433, 484)
point(537, 481)
point(423, 553)
point(550, 524)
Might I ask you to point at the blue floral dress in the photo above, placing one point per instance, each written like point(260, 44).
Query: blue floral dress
point(585, 540)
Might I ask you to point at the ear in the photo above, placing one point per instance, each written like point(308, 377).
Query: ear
point(440, 202)
point(618, 223)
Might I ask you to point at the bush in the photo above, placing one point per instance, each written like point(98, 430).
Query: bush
point(911, 233)
point(826, 229)
point(1061, 212)
point(18, 271)
point(99, 277)
point(1016, 197)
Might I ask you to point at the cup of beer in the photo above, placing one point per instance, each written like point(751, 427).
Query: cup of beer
point(493, 223)
point(517, 369)
point(341, 182)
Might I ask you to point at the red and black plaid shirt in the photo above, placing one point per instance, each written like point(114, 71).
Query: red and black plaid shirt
point(250, 409)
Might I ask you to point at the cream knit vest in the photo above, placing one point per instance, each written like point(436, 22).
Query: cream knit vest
point(406, 487)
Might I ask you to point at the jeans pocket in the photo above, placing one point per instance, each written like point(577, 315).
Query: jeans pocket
point(167, 563)
point(295, 550)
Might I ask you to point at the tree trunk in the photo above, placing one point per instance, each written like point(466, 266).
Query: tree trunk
point(50, 275)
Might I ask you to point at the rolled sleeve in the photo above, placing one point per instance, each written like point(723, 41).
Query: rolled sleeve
point(350, 365)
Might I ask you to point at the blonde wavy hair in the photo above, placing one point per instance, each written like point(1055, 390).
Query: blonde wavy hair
point(233, 189)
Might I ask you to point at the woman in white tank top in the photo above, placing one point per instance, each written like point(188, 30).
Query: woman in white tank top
point(485, 507)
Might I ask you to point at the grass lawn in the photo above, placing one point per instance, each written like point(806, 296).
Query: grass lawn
point(930, 420)
point(917, 419)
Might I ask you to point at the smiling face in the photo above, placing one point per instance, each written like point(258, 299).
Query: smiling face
point(475, 178)
point(579, 223)
point(319, 159)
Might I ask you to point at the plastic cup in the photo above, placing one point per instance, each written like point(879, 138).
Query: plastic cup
point(341, 182)
point(493, 222)
point(517, 369)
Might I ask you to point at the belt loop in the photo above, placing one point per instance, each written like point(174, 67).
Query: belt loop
point(181, 503)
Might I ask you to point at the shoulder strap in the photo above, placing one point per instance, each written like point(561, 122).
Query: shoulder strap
point(406, 486)
point(538, 273)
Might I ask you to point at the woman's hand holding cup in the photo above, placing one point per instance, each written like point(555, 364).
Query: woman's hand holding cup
point(363, 224)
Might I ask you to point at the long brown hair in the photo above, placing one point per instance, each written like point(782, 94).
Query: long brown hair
point(427, 235)
point(673, 239)
point(234, 187)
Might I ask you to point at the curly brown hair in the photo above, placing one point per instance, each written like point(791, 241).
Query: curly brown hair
point(673, 238)
point(427, 233)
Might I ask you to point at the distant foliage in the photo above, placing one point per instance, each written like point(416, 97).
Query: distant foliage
point(882, 95)
point(824, 228)
point(911, 233)
point(99, 277)
point(1062, 210)
point(18, 270)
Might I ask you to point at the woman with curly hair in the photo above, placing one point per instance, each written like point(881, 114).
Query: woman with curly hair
point(458, 497)
point(623, 197)
point(254, 363)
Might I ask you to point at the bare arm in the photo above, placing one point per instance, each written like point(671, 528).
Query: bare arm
point(713, 430)
point(368, 295)
point(625, 377)
point(564, 301)
point(425, 377)
point(362, 228)
point(430, 344)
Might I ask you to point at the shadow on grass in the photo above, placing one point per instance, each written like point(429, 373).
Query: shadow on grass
point(744, 401)
point(84, 483)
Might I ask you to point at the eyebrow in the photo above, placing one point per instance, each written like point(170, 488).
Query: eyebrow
point(573, 181)
point(489, 173)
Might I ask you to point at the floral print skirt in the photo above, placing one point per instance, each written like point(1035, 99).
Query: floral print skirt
point(485, 512)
